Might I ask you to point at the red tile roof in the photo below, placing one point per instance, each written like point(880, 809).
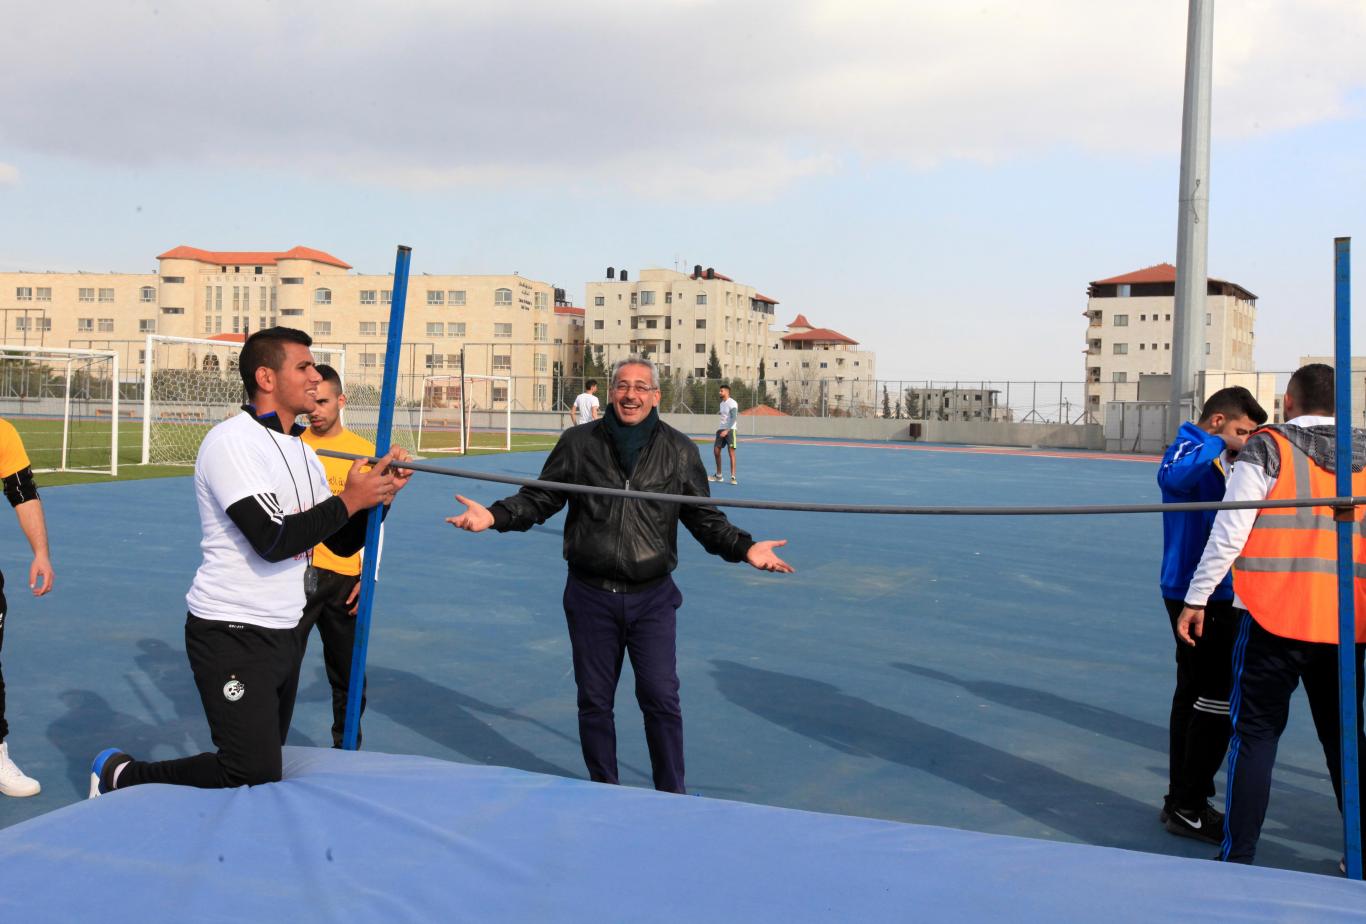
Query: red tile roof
point(1161, 272)
point(800, 322)
point(569, 309)
point(819, 335)
point(229, 338)
point(758, 297)
point(762, 410)
point(243, 257)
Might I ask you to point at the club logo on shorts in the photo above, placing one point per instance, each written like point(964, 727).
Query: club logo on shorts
point(233, 690)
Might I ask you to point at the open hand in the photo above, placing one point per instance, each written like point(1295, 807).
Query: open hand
point(761, 556)
point(475, 519)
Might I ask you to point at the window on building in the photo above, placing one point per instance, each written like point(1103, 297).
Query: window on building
point(500, 394)
point(322, 296)
point(1122, 290)
point(322, 328)
point(668, 298)
point(502, 331)
point(291, 280)
point(541, 363)
point(384, 328)
point(44, 294)
point(147, 326)
point(647, 298)
point(1209, 319)
point(635, 322)
point(540, 332)
point(699, 348)
point(23, 293)
point(370, 328)
point(634, 298)
point(1121, 320)
point(435, 361)
point(386, 296)
point(701, 323)
point(651, 323)
point(170, 309)
point(699, 373)
point(1166, 346)
point(1121, 349)
point(1169, 317)
point(367, 296)
point(456, 297)
point(541, 302)
point(147, 294)
point(21, 322)
point(1207, 348)
point(208, 324)
point(258, 270)
point(502, 362)
point(455, 329)
point(1141, 346)
point(502, 297)
point(44, 323)
point(436, 297)
point(85, 324)
point(598, 324)
point(599, 301)
point(105, 325)
point(1121, 377)
point(368, 360)
point(701, 298)
point(434, 329)
point(291, 312)
point(85, 295)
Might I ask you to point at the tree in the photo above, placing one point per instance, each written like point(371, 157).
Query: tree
point(897, 407)
point(886, 403)
point(714, 366)
point(588, 364)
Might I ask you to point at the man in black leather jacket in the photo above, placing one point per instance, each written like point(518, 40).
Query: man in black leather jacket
point(619, 597)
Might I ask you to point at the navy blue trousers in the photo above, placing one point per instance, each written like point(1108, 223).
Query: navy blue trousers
point(1266, 670)
point(604, 626)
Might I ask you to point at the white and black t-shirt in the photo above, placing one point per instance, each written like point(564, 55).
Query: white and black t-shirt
point(248, 478)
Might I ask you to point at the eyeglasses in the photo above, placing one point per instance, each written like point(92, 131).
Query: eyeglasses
point(627, 388)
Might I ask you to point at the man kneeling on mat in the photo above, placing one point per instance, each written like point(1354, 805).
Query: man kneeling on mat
point(619, 597)
point(264, 504)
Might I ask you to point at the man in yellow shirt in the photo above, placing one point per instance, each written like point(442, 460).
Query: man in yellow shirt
point(333, 583)
point(16, 474)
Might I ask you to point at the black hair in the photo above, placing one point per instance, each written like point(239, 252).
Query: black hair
point(1236, 401)
point(1311, 388)
point(266, 348)
point(589, 384)
point(329, 374)
point(723, 385)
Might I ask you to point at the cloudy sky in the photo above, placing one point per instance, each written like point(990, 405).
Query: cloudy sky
point(937, 179)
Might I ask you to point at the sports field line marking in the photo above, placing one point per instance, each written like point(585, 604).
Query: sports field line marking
point(969, 449)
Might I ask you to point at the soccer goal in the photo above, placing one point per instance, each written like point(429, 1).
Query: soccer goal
point(65, 405)
point(464, 413)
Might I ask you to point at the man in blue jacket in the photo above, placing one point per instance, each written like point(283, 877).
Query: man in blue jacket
point(1195, 468)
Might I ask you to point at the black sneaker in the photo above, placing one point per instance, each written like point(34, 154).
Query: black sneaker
point(1204, 823)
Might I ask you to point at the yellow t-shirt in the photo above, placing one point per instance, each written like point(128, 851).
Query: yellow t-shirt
point(13, 458)
point(336, 469)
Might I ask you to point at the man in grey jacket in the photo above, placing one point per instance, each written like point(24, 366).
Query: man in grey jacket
point(619, 597)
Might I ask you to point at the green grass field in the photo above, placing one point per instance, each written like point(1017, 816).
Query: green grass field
point(89, 448)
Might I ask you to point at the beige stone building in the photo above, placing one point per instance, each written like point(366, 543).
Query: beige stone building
point(677, 318)
point(506, 325)
point(1129, 332)
point(823, 371)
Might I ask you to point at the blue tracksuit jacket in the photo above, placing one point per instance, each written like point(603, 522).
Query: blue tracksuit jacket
point(1190, 472)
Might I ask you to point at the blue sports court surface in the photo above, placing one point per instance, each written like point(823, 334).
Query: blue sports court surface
point(1007, 676)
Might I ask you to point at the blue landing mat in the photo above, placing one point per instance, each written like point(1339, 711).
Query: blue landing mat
point(375, 837)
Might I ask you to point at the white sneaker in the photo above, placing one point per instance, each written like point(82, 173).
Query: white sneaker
point(716, 477)
point(732, 480)
point(12, 779)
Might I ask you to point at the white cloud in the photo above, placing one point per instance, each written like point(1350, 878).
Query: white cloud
point(666, 98)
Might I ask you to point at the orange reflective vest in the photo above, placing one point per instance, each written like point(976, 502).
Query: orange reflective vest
point(1286, 575)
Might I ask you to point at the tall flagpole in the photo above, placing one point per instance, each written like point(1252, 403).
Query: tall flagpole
point(1192, 226)
point(1348, 702)
point(370, 563)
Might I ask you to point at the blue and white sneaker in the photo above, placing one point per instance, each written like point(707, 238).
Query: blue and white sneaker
point(102, 770)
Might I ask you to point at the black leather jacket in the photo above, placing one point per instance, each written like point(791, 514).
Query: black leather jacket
point(616, 539)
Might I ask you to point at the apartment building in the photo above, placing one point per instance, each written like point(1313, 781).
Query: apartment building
point(1129, 331)
point(823, 370)
point(503, 324)
point(676, 319)
point(971, 404)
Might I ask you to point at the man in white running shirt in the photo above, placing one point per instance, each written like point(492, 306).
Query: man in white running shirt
point(725, 432)
point(586, 404)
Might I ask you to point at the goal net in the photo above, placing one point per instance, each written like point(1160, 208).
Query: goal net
point(190, 385)
point(464, 414)
point(65, 405)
